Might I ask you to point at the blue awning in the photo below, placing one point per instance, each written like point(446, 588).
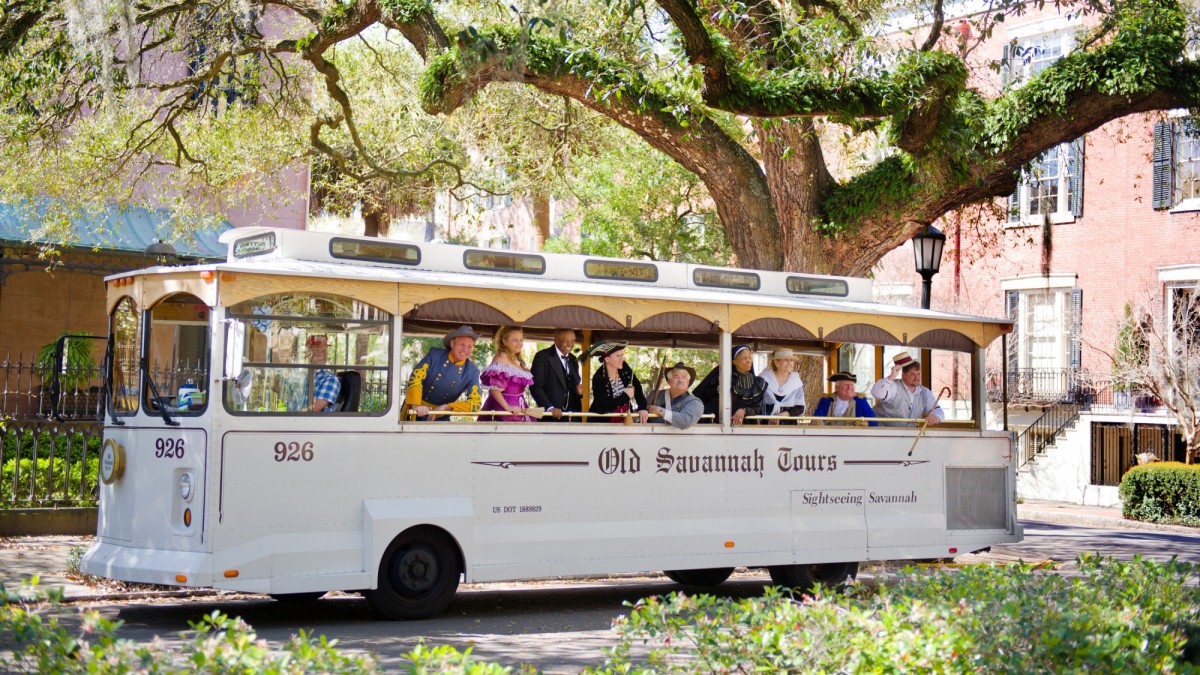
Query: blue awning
point(113, 228)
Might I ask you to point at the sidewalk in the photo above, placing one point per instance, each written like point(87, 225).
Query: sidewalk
point(46, 557)
point(1090, 516)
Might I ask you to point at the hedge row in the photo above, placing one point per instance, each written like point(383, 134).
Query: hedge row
point(1162, 492)
point(1135, 616)
point(1113, 617)
point(46, 484)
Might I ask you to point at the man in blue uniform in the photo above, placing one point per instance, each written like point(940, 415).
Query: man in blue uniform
point(844, 403)
point(444, 376)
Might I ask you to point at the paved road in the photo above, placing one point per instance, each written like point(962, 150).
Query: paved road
point(560, 627)
point(1062, 542)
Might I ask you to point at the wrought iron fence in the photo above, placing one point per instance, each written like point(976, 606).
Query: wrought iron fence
point(49, 454)
point(49, 464)
point(25, 391)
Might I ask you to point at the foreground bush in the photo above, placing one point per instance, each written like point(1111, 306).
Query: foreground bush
point(1162, 492)
point(215, 644)
point(1127, 617)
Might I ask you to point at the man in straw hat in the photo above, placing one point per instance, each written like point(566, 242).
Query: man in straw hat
point(444, 376)
point(675, 405)
point(905, 397)
point(844, 403)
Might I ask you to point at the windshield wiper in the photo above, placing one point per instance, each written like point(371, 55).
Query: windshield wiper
point(162, 406)
point(108, 395)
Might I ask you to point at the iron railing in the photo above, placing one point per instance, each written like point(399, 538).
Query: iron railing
point(26, 392)
point(1034, 385)
point(1059, 417)
point(49, 464)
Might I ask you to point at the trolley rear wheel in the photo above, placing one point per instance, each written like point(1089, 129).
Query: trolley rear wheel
point(417, 576)
point(702, 578)
point(804, 578)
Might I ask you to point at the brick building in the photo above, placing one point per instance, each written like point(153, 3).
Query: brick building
point(1107, 222)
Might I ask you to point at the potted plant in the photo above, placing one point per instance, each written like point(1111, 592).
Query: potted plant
point(1129, 356)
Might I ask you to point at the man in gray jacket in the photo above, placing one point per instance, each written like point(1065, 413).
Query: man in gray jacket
point(675, 405)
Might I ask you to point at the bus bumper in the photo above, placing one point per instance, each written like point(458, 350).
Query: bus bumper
point(147, 566)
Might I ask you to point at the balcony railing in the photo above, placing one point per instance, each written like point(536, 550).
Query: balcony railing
point(1033, 385)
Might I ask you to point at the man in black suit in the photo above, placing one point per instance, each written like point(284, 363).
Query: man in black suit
point(556, 377)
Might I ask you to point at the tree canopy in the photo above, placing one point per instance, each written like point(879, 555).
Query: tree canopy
point(757, 98)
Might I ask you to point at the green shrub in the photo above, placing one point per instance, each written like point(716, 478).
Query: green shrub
point(22, 441)
point(215, 644)
point(62, 484)
point(1162, 492)
point(1130, 617)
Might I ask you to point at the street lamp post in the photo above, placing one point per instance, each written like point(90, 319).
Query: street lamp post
point(927, 249)
point(161, 251)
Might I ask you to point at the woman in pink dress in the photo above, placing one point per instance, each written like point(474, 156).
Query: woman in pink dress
point(507, 378)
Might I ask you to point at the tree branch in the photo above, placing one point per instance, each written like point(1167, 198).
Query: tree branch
point(935, 30)
point(697, 142)
point(698, 45)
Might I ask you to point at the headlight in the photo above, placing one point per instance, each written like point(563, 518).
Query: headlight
point(185, 487)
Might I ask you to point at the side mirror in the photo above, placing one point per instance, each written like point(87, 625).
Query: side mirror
point(235, 347)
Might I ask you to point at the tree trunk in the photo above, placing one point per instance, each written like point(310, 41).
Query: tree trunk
point(541, 219)
point(796, 175)
point(371, 220)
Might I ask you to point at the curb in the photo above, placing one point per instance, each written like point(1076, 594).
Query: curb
point(139, 595)
point(1065, 517)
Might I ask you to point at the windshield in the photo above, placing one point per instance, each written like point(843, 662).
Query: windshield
point(126, 331)
point(178, 347)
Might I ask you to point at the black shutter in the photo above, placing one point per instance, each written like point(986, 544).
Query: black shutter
point(1012, 358)
point(1075, 196)
point(1163, 190)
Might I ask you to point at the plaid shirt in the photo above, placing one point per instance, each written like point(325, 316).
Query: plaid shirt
point(326, 388)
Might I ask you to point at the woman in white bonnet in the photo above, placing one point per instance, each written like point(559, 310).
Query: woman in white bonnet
point(785, 390)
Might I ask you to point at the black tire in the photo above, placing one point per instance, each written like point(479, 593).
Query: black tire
point(297, 598)
point(804, 578)
point(418, 576)
point(701, 578)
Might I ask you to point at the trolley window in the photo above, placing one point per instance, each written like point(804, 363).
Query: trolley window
point(303, 353)
point(125, 328)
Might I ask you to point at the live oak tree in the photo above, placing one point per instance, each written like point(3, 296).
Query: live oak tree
point(750, 96)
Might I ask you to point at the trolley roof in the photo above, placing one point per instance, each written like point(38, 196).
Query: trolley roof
point(435, 285)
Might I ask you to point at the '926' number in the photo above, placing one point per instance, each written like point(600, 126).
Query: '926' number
point(293, 452)
point(168, 447)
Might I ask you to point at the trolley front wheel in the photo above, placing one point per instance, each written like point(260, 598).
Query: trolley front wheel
point(805, 578)
point(417, 576)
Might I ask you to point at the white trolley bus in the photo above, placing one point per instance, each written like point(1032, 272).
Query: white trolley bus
point(215, 472)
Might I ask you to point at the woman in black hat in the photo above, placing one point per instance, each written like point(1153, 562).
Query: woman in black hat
point(615, 388)
point(747, 388)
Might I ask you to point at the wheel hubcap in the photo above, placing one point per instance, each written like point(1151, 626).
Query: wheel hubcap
point(415, 571)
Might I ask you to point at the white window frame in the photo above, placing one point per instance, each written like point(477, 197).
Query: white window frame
point(1177, 135)
point(1060, 285)
point(1060, 30)
point(1175, 278)
point(1062, 207)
